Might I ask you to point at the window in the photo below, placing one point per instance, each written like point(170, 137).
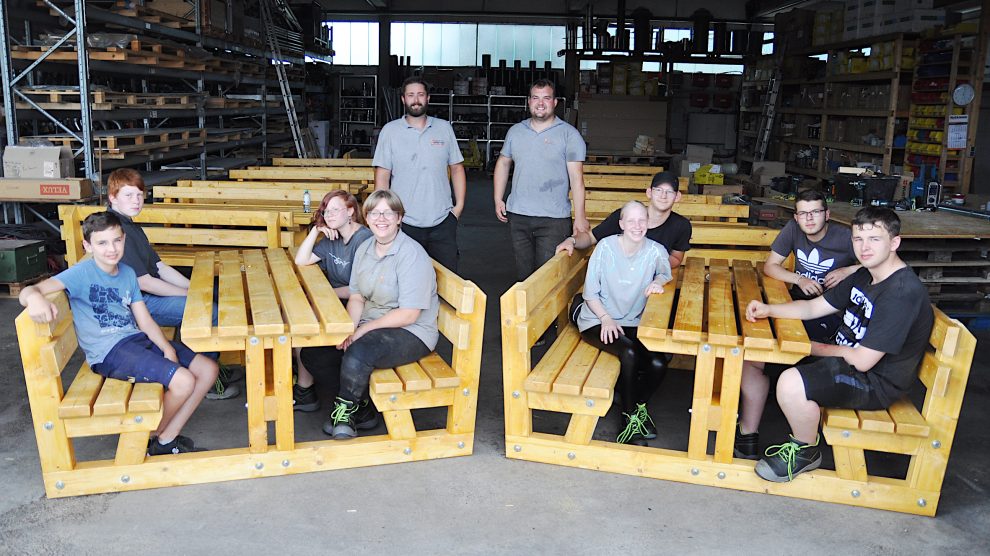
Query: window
point(355, 43)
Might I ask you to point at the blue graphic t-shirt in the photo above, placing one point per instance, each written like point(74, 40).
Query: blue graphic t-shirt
point(101, 306)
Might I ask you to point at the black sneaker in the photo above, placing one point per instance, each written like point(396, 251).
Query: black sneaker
point(232, 373)
point(649, 428)
point(184, 441)
point(222, 390)
point(633, 431)
point(783, 462)
point(304, 399)
point(747, 445)
point(156, 448)
point(348, 417)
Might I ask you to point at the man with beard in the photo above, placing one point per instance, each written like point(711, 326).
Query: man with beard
point(412, 158)
point(548, 154)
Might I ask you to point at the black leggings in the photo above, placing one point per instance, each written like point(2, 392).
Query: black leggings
point(640, 370)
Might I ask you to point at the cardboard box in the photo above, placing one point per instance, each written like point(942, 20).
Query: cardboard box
point(49, 190)
point(697, 153)
point(37, 162)
point(688, 168)
point(767, 170)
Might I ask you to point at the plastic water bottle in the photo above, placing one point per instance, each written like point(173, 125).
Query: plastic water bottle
point(307, 201)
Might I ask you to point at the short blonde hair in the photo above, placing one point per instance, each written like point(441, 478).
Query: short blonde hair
point(393, 201)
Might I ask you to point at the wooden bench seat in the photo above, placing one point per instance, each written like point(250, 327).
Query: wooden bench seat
point(925, 435)
point(356, 188)
point(346, 162)
point(306, 174)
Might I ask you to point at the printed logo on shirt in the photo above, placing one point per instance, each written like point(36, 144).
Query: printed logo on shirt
point(438, 142)
point(855, 320)
point(102, 299)
point(338, 261)
point(816, 268)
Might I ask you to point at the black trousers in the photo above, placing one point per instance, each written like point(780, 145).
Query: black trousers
point(440, 241)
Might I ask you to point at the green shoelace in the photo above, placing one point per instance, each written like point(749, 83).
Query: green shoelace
point(219, 386)
point(644, 415)
point(788, 452)
point(341, 412)
point(634, 426)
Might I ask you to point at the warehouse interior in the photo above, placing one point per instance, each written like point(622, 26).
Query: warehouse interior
point(872, 102)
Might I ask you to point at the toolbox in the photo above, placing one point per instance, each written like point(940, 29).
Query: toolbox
point(22, 259)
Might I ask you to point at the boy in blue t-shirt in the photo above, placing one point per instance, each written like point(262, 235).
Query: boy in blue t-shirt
point(117, 333)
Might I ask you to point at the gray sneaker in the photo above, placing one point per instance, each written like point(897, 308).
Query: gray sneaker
point(222, 390)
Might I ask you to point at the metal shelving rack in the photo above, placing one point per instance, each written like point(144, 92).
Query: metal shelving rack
point(357, 114)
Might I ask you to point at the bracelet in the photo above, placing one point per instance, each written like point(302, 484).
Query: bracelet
point(573, 240)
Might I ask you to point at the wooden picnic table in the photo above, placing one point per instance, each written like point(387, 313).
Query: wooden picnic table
point(699, 315)
point(267, 307)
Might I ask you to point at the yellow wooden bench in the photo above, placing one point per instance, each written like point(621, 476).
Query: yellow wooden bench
point(345, 162)
point(192, 229)
point(622, 170)
point(290, 173)
point(93, 406)
point(573, 377)
point(619, 182)
point(431, 382)
point(926, 436)
point(354, 187)
point(697, 208)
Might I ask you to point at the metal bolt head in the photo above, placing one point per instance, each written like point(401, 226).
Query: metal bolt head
point(846, 434)
point(466, 392)
point(706, 348)
point(460, 444)
point(735, 351)
point(589, 403)
point(392, 398)
point(922, 502)
point(49, 425)
point(254, 340)
point(259, 466)
point(517, 448)
point(721, 474)
point(855, 494)
point(138, 419)
point(407, 451)
point(59, 485)
point(515, 393)
point(282, 339)
point(695, 471)
point(285, 463)
point(125, 479)
point(936, 444)
point(571, 455)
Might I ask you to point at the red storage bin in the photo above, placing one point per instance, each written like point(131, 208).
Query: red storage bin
point(700, 100)
point(701, 80)
point(723, 101)
point(723, 81)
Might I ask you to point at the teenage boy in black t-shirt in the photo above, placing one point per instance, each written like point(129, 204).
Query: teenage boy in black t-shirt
point(886, 321)
point(664, 226)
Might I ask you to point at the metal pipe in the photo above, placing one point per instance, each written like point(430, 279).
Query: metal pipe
point(6, 67)
point(85, 108)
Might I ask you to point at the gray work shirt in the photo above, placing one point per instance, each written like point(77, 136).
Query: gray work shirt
point(418, 160)
point(403, 279)
point(540, 184)
point(619, 280)
point(337, 256)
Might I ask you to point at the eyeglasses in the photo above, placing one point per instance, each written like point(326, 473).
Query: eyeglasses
point(386, 214)
point(664, 192)
point(812, 213)
point(333, 212)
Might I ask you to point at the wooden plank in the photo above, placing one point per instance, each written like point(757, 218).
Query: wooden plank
point(581, 429)
point(456, 291)
point(413, 377)
point(63, 317)
point(728, 404)
point(841, 418)
point(850, 463)
point(282, 387)
point(146, 397)
point(691, 302)
point(232, 320)
point(877, 421)
point(212, 237)
point(701, 404)
point(755, 334)
point(385, 381)
point(78, 401)
point(113, 398)
point(254, 382)
point(907, 419)
point(575, 372)
point(721, 309)
point(399, 424)
point(266, 316)
point(716, 233)
point(56, 353)
point(791, 334)
point(197, 318)
point(543, 375)
point(655, 322)
point(304, 174)
point(601, 380)
point(329, 311)
point(454, 328)
point(346, 162)
point(440, 373)
point(295, 305)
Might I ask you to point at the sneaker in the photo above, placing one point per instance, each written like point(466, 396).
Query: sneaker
point(348, 417)
point(633, 431)
point(783, 461)
point(222, 390)
point(231, 373)
point(747, 445)
point(184, 441)
point(649, 428)
point(304, 399)
point(156, 448)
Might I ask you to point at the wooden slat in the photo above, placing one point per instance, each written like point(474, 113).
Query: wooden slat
point(572, 377)
point(413, 377)
point(546, 371)
point(232, 311)
point(345, 162)
point(791, 335)
point(208, 236)
point(63, 317)
point(945, 334)
point(440, 373)
point(385, 381)
point(55, 354)
point(454, 290)
point(721, 309)
point(197, 319)
point(146, 397)
point(877, 421)
point(601, 381)
point(841, 418)
point(295, 305)
point(655, 322)
point(755, 334)
point(304, 174)
point(329, 311)
point(454, 328)
point(78, 400)
point(691, 302)
point(907, 419)
point(113, 398)
point(266, 317)
point(716, 233)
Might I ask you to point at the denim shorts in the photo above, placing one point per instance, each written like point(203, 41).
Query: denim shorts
point(137, 359)
point(832, 382)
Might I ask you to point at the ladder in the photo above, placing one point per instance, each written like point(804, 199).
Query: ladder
point(283, 80)
point(767, 116)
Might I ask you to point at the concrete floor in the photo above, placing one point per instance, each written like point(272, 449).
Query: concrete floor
point(476, 505)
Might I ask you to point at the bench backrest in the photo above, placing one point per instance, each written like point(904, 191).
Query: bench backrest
point(345, 162)
point(945, 367)
point(289, 173)
point(599, 209)
point(268, 196)
point(614, 182)
point(539, 300)
point(209, 228)
point(716, 240)
point(324, 185)
point(461, 320)
point(623, 170)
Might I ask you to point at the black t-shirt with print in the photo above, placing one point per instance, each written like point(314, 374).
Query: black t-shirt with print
point(894, 316)
point(674, 234)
